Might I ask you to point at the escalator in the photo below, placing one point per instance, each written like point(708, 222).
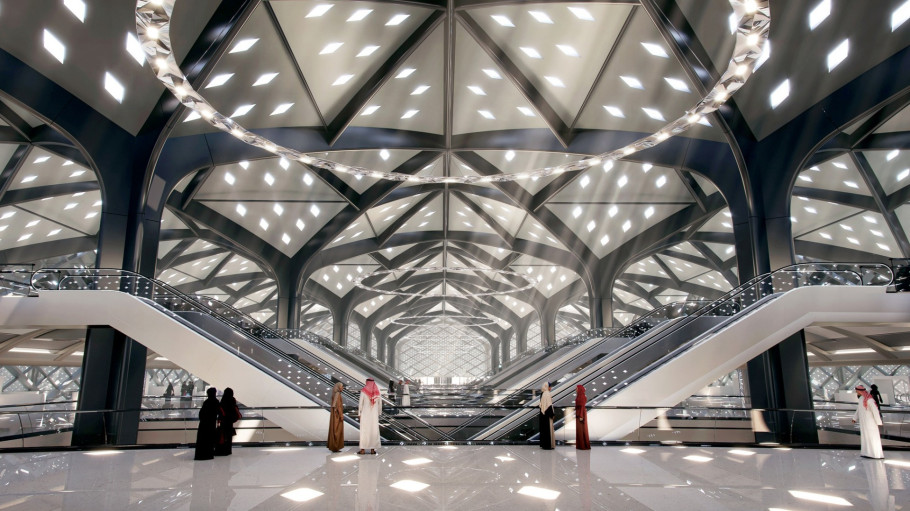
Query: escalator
point(684, 356)
point(210, 343)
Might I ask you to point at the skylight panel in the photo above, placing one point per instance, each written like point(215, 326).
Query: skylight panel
point(278, 209)
point(486, 114)
point(576, 212)
point(360, 14)
point(900, 15)
point(397, 19)
point(219, 80)
point(420, 89)
point(269, 179)
point(384, 154)
point(242, 110)
point(134, 48)
point(300, 225)
point(779, 94)
point(819, 14)
point(581, 13)
point(229, 178)
point(330, 48)
point(615, 111)
point(892, 155)
point(656, 50)
point(54, 46)
point(370, 110)
point(406, 72)
point(568, 50)
point(838, 54)
point(604, 240)
point(510, 155)
point(265, 79)
point(626, 225)
point(649, 212)
point(502, 20)
point(531, 52)
point(264, 224)
point(633, 82)
point(591, 225)
point(368, 50)
point(243, 45)
point(476, 90)
point(285, 238)
point(526, 111)
point(343, 79)
point(319, 10)
point(492, 73)
point(409, 114)
point(765, 55)
point(622, 181)
point(282, 108)
point(541, 17)
point(114, 87)
point(677, 84)
point(555, 81)
point(653, 113)
point(308, 179)
point(41, 159)
point(903, 174)
point(314, 210)
point(661, 181)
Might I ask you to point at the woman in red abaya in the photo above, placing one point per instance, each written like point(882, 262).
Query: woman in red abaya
point(582, 442)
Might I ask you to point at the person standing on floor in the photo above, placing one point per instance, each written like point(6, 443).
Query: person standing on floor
point(207, 433)
point(230, 413)
point(392, 390)
point(335, 442)
point(547, 437)
point(406, 393)
point(582, 442)
point(368, 410)
point(876, 395)
point(869, 419)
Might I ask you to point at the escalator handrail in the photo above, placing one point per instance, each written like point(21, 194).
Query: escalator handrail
point(559, 393)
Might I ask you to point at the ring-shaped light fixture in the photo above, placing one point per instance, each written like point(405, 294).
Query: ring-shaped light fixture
point(530, 282)
point(430, 320)
point(752, 27)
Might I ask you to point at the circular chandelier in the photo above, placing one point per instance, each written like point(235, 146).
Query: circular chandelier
point(751, 19)
point(431, 320)
point(529, 282)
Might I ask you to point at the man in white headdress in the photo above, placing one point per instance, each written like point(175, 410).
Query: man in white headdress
point(406, 393)
point(869, 419)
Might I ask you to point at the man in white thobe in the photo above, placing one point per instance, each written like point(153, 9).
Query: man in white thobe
point(869, 419)
point(406, 393)
point(368, 410)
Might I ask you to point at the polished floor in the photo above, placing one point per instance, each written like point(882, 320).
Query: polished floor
point(458, 478)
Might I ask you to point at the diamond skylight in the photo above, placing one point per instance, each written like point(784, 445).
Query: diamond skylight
point(486, 114)
point(420, 89)
point(409, 114)
point(779, 94)
point(476, 90)
point(555, 81)
point(242, 110)
point(838, 54)
point(134, 48)
point(502, 20)
point(633, 82)
point(265, 79)
point(397, 19)
point(282, 108)
point(492, 73)
point(615, 111)
point(541, 17)
point(900, 15)
point(54, 46)
point(568, 50)
point(319, 10)
point(581, 13)
point(219, 80)
point(77, 7)
point(114, 87)
point(370, 110)
point(243, 45)
point(677, 84)
point(656, 50)
point(360, 14)
point(653, 113)
point(368, 50)
point(531, 52)
point(526, 111)
point(819, 14)
point(343, 79)
point(330, 48)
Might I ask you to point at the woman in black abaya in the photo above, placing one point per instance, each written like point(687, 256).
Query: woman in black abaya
point(207, 434)
point(545, 417)
point(229, 415)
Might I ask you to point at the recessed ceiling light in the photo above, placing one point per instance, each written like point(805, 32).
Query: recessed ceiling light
point(781, 93)
point(900, 15)
point(661, 181)
point(408, 485)
point(384, 154)
point(492, 73)
point(6, 215)
point(114, 87)
point(698, 459)
point(510, 155)
point(265, 79)
point(825, 235)
point(539, 493)
point(838, 54)
point(282, 108)
point(486, 114)
point(134, 48)
point(409, 114)
point(360, 14)
point(368, 50)
point(420, 89)
point(577, 211)
point(54, 46)
point(269, 179)
point(41, 159)
point(53, 232)
point(653, 113)
point(626, 225)
point(840, 165)
point(531, 52)
point(300, 225)
point(278, 209)
point(884, 247)
point(892, 155)
point(229, 178)
point(819, 14)
point(541, 17)
point(343, 79)
point(319, 10)
point(285, 238)
point(851, 184)
point(527, 112)
point(581, 13)
point(241, 209)
point(93, 214)
point(77, 173)
point(502, 20)
point(568, 50)
point(397, 19)
point(604, 240)
point(370, 110)
point(613, 211)
point(591, 225)
point(330, 48)
point(622, 181)
point(585, 181)
point(853, 240)
point(656, 50)
point(77, 7)
point(243, 45)
point(903, 174)
point(555, 82)
point(264, 224)
point(308, 179)
point(633, 82)
point(219, 80)
point(765, 55)
point(302, 494)
point(314, 210)
point(649, 212)
point(23, 238)
point(819, 497)
point(242, 110)
point(677, 84)
point(614, 111)
point(476, 90)
point(406, 72)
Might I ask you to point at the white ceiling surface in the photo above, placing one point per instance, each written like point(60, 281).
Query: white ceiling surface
point(23, 113)
point(372, 159)
point(43, 168)
point(82, 72)
point(80, 213)
point(893, 174)
point(706, 16)
point(623, 182)
point(427, 219)
point(356, 231)
point(321, 71)
point(295, 182)
point(838, 174)
point(512, 162)
point(900, 122)
point(381, 217)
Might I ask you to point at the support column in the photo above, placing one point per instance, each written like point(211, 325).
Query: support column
point(494, 355)
point(601, 311)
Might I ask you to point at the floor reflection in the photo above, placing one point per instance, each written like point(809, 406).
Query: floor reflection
point(457, 478)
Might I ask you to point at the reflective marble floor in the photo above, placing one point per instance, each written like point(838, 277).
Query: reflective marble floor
point(462, 478)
